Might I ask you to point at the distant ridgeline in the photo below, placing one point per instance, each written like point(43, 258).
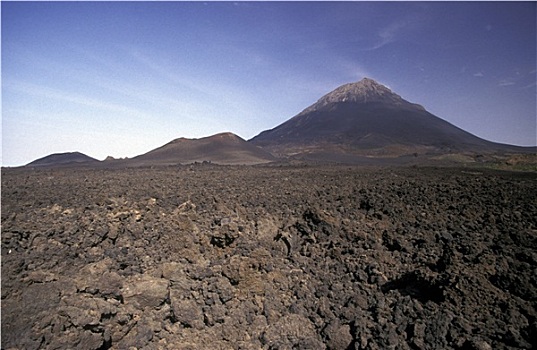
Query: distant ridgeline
point(357, 122)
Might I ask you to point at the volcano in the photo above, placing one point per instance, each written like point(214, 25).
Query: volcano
point(224, 148)
point(368, 119)
point(63, 159)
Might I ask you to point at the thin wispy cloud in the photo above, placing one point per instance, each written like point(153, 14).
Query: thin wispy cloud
point(401, 27)
point(531, 85)
point(506, 83)
point(166, 99)
point(65, 96)
point(388, 35)
point(211, 94)
point(351, 68)
point(106, 60)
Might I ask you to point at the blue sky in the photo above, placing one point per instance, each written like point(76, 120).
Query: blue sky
point(122, 78)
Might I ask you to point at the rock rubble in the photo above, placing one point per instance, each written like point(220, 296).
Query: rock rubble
point(208, 257)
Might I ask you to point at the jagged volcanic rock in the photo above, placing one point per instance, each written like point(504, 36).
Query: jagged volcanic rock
point(268, 257)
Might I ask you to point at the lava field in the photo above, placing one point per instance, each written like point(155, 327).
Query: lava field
point(268, 257)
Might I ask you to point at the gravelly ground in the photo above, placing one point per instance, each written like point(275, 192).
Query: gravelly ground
point(208, 257)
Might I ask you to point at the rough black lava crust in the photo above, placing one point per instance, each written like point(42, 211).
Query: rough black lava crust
point(208, 257)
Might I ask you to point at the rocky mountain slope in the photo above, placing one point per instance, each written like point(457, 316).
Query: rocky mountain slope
point(368, 119)
point(63, 159)
point(223, 148)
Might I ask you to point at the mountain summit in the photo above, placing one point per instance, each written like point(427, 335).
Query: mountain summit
point(367, 119)
point(365, 91)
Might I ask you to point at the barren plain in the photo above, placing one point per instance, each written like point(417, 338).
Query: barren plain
point(269, 257)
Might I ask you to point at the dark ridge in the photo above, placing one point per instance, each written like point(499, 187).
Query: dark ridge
point(224, 148)
point(62, 159)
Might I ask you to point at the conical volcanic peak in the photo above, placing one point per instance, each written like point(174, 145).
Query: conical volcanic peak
point(367, 119)
point(365, 91)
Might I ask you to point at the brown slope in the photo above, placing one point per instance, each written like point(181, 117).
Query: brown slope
point(63, 159)
point(368, 119)
point(223, 148)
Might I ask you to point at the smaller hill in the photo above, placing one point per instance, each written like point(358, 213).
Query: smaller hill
point(224, 148)
point(63, 159)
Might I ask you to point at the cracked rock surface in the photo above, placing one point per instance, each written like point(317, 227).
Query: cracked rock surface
point(303, 257)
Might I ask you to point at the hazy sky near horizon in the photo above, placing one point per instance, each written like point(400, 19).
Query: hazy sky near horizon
point(122, 78)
